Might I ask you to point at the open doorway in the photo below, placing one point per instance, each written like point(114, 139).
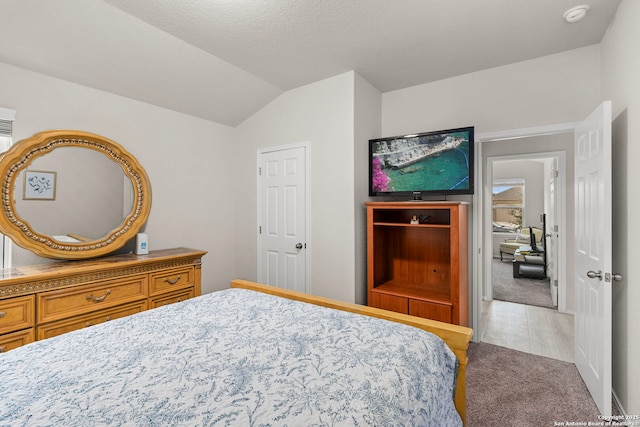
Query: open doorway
point(524, 252)
point(538, 166)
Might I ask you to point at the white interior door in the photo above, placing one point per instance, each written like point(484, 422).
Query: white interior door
point(282, 218)
point(593, 254)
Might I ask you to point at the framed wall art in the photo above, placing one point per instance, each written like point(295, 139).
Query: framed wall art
point(39, 185)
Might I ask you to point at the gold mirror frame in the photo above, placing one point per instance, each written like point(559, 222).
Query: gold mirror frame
point(20, 155)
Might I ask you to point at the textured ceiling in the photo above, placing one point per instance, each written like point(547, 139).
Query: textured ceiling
point(224, 59)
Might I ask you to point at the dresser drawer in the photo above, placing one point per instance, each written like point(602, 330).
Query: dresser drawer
point(56, 305)
point(173, 297)
point(16, 313)
point(168, 281)
point(84, 321)
point(16, 339)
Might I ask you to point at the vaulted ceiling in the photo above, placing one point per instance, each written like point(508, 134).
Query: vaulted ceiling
point(223, 60)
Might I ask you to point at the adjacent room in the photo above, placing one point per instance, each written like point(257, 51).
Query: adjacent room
point(234, 202)
point(528, 198)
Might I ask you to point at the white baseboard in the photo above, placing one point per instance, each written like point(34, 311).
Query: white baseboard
point(617, 401)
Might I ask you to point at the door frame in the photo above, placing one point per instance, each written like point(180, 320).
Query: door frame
point(482, 245)
point(307, 204)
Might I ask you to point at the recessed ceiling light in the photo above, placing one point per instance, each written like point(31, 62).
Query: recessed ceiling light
point(576, 13)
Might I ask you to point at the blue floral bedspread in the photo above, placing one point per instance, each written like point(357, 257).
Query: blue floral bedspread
point(232, 358)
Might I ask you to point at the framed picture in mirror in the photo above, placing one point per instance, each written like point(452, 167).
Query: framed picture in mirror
point(39, 185)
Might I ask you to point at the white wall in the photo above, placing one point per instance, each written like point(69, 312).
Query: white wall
point(621, 84)
point(187, 160)
point(322, 114)
point(553, 89)
point(368, 104)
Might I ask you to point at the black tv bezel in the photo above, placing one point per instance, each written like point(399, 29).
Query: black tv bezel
point(417, 194)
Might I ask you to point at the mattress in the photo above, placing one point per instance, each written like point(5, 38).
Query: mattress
point(234, 357)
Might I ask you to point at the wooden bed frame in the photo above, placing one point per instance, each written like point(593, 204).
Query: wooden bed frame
point(456, 337)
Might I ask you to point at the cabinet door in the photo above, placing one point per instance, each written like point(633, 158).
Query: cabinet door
point(428, 310)
point(389, 302)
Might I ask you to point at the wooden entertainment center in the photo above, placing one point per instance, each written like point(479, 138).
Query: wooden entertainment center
point(417, 259)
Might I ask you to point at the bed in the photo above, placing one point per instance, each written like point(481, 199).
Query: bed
point(249, 355)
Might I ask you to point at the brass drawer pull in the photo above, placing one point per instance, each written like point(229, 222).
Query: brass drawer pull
point(172, 282)
point(169, 302)
point(98, 299)
point(2, 314)
point(91, 323)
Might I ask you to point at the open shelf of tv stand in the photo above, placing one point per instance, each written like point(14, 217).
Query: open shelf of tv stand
point(418, 268)
point(395, 224)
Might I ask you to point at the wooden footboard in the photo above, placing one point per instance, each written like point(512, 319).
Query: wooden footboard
point(456, 337)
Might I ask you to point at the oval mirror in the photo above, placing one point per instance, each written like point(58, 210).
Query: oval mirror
point(72, 195)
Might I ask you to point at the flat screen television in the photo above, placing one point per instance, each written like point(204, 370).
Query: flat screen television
point(425, 164)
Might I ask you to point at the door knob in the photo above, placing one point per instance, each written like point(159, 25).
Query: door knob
point(299, 246)
point(594, 275)
point(617, 277)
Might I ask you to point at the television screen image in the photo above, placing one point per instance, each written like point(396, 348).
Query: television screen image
point(429, 163)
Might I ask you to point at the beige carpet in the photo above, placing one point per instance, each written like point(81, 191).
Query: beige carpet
point(510, 388)
point(520, 290)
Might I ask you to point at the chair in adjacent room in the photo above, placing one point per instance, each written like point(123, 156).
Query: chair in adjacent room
point(523, 238)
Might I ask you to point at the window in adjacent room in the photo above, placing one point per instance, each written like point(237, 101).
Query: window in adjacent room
point(7, 116)
point(507, 205)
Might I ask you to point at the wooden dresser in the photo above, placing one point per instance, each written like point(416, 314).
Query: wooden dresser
point(42, 301)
